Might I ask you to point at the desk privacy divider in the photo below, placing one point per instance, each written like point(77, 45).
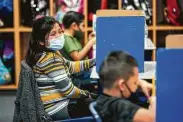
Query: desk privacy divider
point(169, 87)
point(120, 30)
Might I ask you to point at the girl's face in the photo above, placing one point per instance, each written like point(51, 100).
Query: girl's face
point(54, 33)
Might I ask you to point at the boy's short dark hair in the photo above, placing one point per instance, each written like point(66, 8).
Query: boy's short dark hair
point(118, 64)
point(71, 17)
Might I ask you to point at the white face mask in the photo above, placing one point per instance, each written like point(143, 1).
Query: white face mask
point(56, 43)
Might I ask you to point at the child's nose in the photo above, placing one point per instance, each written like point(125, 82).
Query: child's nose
point(58, 34)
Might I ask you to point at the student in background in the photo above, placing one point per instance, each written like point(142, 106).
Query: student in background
point(73, 23)
point(52, 71)
point(119, 78)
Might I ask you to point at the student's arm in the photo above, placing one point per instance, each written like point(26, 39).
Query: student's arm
point(79, 55)
point(57, 72)
point(146, 87)
point(79, 66)
point(145, 115)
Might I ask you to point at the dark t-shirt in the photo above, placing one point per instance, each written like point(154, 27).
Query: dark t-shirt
point(113, 109)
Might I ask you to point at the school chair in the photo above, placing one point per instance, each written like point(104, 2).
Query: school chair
point(83, 119)
point(94, 112)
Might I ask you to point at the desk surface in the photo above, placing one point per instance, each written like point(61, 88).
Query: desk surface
point(149, 71)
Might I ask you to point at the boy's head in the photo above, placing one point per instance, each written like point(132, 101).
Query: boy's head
point(73, 20)
point(119, 72)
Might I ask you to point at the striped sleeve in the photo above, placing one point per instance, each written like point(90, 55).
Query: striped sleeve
point(79, 66)
point(55, 70)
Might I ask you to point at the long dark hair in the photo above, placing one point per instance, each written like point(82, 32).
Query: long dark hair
point(40, 30)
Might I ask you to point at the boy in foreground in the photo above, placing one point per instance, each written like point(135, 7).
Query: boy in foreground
point(119, 78)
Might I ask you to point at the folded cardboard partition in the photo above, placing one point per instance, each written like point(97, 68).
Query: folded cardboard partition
point(169, 85)
point(120, 30)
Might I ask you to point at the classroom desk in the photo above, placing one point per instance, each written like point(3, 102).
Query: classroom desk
point(149, 71)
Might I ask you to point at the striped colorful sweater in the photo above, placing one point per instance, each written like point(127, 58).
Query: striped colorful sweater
point(52, 73)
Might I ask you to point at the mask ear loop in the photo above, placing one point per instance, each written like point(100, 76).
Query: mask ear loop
point(128, 88)
point(122, 94)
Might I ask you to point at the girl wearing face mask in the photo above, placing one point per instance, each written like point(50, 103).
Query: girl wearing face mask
point(73, 23)
point(52, 71)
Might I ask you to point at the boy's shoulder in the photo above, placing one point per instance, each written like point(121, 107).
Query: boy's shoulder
point(114, 109)
point(114, 101)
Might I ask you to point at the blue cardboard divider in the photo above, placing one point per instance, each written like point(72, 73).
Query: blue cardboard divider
point(120, 33)
point(169, 85)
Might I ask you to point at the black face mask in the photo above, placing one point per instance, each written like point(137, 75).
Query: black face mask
point(79, 35)
point(133, 95)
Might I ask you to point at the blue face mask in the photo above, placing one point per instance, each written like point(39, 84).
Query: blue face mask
point(56, 43)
